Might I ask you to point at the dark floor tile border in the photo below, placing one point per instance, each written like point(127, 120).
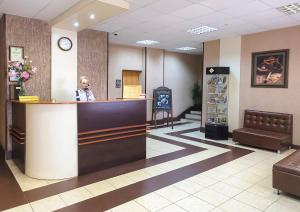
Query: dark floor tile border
point(296, 146)
point(131, 192)
point(39, 193)
point(180, 135)
point(10, 192)
point(163, 126)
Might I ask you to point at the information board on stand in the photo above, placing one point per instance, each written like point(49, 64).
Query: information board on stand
point(162, 102)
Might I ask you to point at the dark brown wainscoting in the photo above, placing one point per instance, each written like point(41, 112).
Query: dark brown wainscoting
point(105, 115)
point(111, 153)
point(17, 134)
point(110, 134)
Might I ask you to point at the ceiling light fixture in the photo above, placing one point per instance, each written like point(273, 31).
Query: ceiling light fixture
point(147, 42)
point(202, 29)
point(186, 48)
point(92, 16)
point(290, 9)
point(76, 24)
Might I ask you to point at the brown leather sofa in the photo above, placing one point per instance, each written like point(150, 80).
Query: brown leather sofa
point(266, 130)
point(286, 174)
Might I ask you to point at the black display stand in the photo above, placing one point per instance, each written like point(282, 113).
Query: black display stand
point(216, 126)
point(216, 131)
point(162, 102)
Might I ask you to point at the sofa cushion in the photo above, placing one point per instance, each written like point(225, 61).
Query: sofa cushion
point(290, 164)
point(269, 121)
point(281, 137)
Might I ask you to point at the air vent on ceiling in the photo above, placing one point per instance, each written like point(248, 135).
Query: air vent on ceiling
point(290, 9)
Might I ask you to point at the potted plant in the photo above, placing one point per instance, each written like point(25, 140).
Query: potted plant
point(197, 96)
point(22, 71)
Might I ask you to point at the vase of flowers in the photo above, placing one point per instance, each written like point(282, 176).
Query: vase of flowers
point(22, 71)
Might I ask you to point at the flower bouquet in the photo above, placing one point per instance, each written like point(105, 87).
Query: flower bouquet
point(21, 71)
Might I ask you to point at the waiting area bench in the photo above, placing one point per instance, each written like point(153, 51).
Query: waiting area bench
point(286, 174)
point(268, 130)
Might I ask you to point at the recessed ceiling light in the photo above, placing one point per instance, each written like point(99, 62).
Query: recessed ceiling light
point(186, 48)
point(202, 29)
point(147, 42)
point(76, 24)
point(92, 16)
point(290, 9)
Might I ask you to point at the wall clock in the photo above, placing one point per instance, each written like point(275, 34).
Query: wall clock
point(65, 43)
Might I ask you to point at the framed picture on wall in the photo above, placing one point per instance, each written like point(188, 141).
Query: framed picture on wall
point(16, 53)
point(270, 69)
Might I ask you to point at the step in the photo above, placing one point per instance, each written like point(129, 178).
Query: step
point(193, 116)
point(196, 112)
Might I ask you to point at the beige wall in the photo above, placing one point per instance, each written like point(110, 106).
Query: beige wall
point(123, 57)
point(63, 66)
point(92, 60)
point(230, 56)
point(284, 100)
point(155, 76)
point(181, 71)
point(211, 57)
point(35, 36)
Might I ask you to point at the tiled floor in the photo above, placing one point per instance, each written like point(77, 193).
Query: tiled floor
point(243, 184)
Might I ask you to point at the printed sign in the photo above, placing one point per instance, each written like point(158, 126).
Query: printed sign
point(162, 98)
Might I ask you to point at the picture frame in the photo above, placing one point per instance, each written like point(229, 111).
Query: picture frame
point(16, 53)
point(270, 69)
point(118, 83)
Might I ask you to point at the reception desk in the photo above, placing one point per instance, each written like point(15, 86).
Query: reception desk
point(66, 139)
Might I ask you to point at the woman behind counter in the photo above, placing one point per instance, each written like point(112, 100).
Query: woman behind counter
point(84, 94)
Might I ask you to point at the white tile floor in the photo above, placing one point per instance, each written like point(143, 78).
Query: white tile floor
point(244, 184)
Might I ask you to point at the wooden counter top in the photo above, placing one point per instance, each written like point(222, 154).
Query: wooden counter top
point(75, 102)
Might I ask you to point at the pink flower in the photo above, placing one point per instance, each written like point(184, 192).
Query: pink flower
point(25, 75)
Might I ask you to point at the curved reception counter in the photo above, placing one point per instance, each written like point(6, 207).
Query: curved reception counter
point(66, 139)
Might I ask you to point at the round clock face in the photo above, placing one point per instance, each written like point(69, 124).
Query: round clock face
point(65, 43)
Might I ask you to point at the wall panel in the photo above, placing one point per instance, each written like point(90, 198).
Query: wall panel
point(92, 60)
point(35, 36)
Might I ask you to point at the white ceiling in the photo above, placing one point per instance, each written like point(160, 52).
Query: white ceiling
point(168, 20)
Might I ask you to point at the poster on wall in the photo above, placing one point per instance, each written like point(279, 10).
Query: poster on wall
point(16, 53)
point(270, 69)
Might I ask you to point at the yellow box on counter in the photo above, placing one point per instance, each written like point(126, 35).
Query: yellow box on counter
point(29, 98)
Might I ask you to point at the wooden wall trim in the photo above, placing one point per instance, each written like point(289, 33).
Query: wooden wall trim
point(17, 131)
point(111, 134)
point(112, 129)
point(110, 139)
